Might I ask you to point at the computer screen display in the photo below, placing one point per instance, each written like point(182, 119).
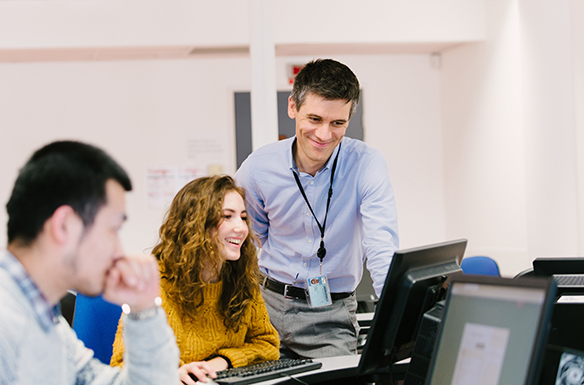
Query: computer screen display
point(492, 332)
point(562, 366)
point(416, 280)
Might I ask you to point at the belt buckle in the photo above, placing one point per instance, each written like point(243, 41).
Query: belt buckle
point(286, 292)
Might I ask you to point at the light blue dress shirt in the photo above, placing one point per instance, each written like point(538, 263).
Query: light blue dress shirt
point(361, 223)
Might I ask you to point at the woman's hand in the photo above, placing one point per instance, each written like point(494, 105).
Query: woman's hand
point(200, 369)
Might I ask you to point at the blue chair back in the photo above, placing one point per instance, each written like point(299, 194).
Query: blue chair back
point(96, 322)
point(480, 265)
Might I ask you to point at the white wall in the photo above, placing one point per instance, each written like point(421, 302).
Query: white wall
point(131, 23)
point(484, 142)
point(577, 34)
point(548, 89)
point(513, 134)
point(145, 113)
point(149, 113)
point(489, 147)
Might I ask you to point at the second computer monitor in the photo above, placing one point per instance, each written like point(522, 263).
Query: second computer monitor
point(492, 331)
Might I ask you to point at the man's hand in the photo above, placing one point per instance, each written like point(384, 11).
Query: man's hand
point(134, 280)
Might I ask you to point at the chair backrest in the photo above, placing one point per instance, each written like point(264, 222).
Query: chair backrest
point(68, 307)
point(95, 322)
point(480, 265)
point(525, 273)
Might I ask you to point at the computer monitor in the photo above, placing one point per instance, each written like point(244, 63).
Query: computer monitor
point(568, 272)
point(493, 331)
point(562, 366)
point(568, 315)
point(416, 280)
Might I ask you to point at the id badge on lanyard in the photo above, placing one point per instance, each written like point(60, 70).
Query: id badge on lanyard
point(318, 292)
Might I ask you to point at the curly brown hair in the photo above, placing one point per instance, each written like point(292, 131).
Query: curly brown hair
point(186, 248)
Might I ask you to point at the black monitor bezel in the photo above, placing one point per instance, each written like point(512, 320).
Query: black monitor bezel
point(386, 324)
point(542, 330)
point(548, 266)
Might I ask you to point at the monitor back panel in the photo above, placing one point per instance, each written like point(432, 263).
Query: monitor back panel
point(492, 331)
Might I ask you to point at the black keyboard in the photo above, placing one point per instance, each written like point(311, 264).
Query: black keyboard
point(569, 280)
point(265, 371)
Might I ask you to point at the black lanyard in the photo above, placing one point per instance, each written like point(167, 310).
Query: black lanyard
point(321, 250)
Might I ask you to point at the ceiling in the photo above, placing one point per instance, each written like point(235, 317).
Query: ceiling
point(186, 52)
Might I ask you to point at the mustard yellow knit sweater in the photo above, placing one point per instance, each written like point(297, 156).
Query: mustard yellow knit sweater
point(206, 336)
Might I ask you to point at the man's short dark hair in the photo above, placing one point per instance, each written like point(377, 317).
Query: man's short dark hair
point(61, 173)
point(328, 79)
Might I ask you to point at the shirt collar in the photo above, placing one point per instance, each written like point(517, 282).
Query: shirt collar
point(46, 314)
point(327, 165)
point(290, 150)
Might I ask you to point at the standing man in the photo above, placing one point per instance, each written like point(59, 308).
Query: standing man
point(321, 204)
point(64, 215)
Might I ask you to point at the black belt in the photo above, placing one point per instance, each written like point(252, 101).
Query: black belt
point(292, 292)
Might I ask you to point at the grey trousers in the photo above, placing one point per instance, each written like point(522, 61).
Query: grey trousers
point(314, 332)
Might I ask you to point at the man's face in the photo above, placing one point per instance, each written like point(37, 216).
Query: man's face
point(320, 127)
point(98, 246)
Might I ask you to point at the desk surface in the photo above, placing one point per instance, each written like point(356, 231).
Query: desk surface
point(332, 368)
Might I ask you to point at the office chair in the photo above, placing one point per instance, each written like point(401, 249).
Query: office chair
point(525, 273)
point(480, 265)
point(68, 307)
point(96, 321)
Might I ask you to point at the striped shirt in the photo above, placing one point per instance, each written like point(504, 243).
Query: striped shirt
point(47, 314)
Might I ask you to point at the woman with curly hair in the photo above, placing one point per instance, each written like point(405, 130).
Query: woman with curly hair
point(210, 289)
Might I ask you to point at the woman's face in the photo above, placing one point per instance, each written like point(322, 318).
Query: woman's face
point(233, 229)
